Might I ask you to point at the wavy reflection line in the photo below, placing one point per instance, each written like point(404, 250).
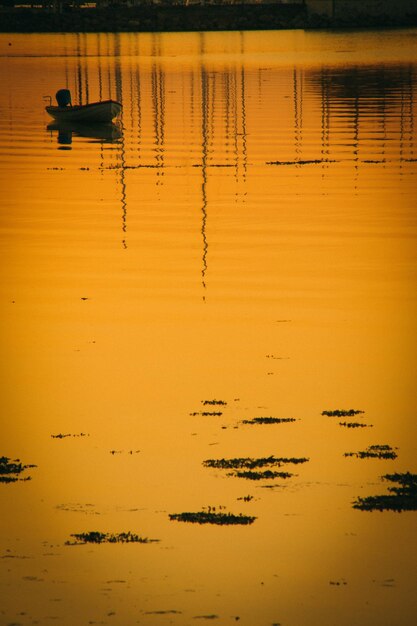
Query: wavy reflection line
point(119, 96)
point(78, 74)
point(158, 103)
point(123, 198)
point(244, 133)
point(100, 79)
point(298, 113)
point(204, 155)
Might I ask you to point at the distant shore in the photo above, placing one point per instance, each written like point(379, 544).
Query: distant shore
point(184, 18)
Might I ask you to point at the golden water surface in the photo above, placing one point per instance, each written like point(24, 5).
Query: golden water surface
point(245, 233)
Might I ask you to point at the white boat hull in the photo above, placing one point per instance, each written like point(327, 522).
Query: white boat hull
point(96, 112)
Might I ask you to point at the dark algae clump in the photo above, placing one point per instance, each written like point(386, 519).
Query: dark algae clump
point(266, 474)
point(249, 463)
point(342, 413)
point(269, 420)
point(251, 469)
point(375, 452)
point(402, 497)
point(210, 517)
point(97, 537)
point(355, 425)
point(10, 470)
point(212, 408)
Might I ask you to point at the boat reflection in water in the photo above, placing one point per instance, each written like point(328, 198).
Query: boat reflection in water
point(99, 133)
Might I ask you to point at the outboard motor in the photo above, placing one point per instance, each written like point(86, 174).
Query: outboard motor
point(63, 97)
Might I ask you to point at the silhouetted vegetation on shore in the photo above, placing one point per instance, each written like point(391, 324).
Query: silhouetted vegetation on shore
point(159, 17)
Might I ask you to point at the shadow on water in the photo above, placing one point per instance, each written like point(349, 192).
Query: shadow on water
point(100, 133)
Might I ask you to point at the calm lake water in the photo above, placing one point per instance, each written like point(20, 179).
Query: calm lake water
point(242, 244)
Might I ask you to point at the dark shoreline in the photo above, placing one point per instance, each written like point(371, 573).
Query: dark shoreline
point(185, 18)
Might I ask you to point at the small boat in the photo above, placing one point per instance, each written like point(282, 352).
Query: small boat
point(95, 112)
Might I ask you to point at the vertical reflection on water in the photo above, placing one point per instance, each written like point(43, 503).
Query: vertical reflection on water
point(137, 97)
point(78, 74)
point(376, 103)
point(406, 118)
point(325, 123)
point(298, 113)
point(109, 78)
point(365, 114)
point(242, 132)
point(204, 154)
point(66, 69)
point(118, 79)
point(85, 57)
point(158, 106)
point(99, 74)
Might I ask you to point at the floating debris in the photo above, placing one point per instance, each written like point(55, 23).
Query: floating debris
point(337, 583)
point(301, 162)
point(342, 413)
point(63, 436)
point(249, 463)
point(375, 452)
point(168, 612)
point(213, 402)
point(355, 425)
point(267, 474)
point(269, 420)
point(207, 413)
point(97, 537)
point(401, 498)
point(121, 452)
point(10, 470)
point(88, 509)
point(210, 517)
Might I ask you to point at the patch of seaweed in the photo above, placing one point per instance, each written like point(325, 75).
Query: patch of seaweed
point(342, 412)
point(269, 420)
point(375, 452)
point(354, 425)
point(214, 402)
point(10, 470)
point(210, 517)
point(267, 474)
point(402, 497)
point(249, 463)
point(98, 537)
point(206, 616)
